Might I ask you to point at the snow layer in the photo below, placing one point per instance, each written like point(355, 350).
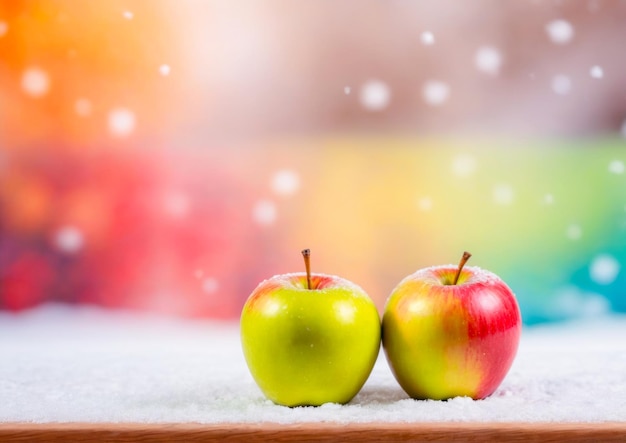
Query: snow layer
point(63, 364)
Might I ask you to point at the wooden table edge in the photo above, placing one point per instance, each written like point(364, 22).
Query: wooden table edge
point(323, 432)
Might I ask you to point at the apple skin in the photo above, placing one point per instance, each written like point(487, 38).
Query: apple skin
point(443, 340)
point(307, 347)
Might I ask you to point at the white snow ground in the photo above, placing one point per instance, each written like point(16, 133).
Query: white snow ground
point(68, 364)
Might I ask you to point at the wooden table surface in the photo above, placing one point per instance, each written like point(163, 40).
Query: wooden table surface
point(321, 432)
point(72, 375)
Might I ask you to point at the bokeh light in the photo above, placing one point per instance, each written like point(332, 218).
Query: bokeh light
point(169, 155)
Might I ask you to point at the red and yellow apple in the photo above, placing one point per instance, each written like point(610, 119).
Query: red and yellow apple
point(451, 331)
point(309, 339)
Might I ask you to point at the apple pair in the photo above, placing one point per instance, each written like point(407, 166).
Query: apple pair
point(447, 331)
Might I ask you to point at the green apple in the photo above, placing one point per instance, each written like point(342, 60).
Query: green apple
point(451, 331)
point(309, 339)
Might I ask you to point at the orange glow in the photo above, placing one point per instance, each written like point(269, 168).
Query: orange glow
point(89, 51)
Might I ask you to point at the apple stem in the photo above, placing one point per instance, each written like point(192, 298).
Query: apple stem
point(306, 253)
point(464, 259)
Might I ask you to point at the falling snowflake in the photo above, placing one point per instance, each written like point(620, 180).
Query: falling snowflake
point(375, 95)
point(69, 239)
point(570, 301)
point(121, 122)
point(346, 90)
point(503, 194)
point(264, 212)
point(488, 60)
point(427, 38)
point(128, 15)
point(286, 182)
point(604, 269)
point(574, 232)
point(83, 107)
point(616, 167)
point(4, 28)
point(176, 204)
point(593, 5)
point(548, 199)
point(435, 92)
point(35, 82)
point(164, 70)
point(561, 84)
point(210, 285)
point(560, 32)
point(463, 165)
point(425, 204)
point(596, 72)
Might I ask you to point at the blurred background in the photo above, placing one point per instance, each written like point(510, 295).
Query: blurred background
point(169, 155)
